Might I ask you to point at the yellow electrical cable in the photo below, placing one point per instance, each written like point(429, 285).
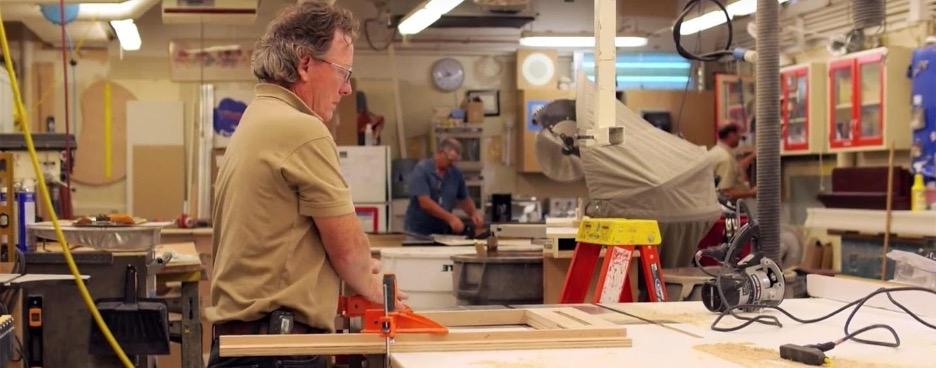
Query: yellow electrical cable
point(47, 201)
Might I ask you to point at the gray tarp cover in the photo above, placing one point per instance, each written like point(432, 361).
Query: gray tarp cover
point(651, 175)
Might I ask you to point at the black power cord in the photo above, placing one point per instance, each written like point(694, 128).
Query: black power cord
point(709, 56)
point(814, 354)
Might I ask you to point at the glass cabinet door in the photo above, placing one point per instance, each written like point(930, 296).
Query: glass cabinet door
point(795, 109)
point(870, 120)
point(842, 103)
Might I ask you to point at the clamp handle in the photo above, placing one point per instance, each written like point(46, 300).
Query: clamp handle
point(390, 292)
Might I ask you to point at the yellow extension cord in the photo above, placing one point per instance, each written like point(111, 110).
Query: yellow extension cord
point(23, 119)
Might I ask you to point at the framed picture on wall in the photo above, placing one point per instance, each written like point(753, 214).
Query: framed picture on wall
point(489, 97)
point(193, 60)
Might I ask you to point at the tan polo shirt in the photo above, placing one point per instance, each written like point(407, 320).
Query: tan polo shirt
point(280, 170)
point(726, 167)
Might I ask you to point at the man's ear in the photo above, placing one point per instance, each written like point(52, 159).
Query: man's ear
point(303, 68)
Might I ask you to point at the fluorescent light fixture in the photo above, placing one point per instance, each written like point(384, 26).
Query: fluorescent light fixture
point(644, 65)
point(127, 33)
point(653, 78)
point(741, 8)
point(424, 15)
point(717, 17)
point(578, 41)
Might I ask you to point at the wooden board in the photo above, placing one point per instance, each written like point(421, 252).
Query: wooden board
point(42, 101)
point(155, 123)
point(339, 344)
point(90, 164)
point(157, 180)
point(493, 317)
point(553, 328)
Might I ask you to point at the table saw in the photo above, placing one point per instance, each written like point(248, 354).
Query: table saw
point(658, 334)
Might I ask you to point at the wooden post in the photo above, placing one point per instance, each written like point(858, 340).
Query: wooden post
point(605, 69)
point(887, 213)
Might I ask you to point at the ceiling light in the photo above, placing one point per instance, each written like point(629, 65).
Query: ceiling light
point(425, 14)
point(717, 17)
point(578, 41)
point(127, 33)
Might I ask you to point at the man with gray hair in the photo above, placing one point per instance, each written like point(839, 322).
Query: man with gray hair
point(285, 229)
point(436, 187)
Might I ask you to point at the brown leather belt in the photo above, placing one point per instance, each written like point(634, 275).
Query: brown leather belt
point(259, 327)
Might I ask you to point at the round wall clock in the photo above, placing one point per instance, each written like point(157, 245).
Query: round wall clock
point(448, 74)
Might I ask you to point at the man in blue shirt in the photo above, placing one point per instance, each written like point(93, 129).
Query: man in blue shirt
point(436, 187)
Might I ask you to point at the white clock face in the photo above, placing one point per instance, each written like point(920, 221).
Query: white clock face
point(448, 74)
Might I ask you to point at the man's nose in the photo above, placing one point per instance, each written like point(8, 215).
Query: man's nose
point(345, 89)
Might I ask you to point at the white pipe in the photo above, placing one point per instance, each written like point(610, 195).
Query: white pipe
point(130, 9)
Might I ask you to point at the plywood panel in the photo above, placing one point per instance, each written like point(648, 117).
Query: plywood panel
point(644, 8)
point(157, 181)
point(42, 101)
point(696, 122)
point(153, 123)
point(103, 128)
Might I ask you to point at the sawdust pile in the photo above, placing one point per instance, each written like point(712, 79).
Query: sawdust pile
point(749, 355)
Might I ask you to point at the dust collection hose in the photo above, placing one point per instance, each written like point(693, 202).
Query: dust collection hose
point(768, 127)
point(23, 119)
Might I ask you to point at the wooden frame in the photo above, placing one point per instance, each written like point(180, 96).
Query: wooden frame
point(547, 328)
point(489, 97)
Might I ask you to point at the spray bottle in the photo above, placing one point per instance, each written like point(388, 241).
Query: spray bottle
point(918, 194)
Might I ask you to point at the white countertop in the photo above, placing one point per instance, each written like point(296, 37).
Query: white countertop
point(756, 345)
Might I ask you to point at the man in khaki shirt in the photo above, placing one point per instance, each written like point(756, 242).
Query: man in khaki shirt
point(731, 182)
point(285, 231)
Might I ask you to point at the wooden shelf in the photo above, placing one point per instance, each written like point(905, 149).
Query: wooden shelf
point(905, 223)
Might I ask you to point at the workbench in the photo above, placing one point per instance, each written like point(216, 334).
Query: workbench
point(185, 268)
point(680, 335)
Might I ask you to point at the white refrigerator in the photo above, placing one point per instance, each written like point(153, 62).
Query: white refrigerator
point(366, 169)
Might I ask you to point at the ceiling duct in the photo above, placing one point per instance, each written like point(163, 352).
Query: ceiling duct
point(233, 12)
point(503, 6)
point(868, 13)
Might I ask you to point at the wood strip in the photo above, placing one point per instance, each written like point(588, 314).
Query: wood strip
point(487, 317)
point(340, 344)
point(586, 318)
point(547, 319)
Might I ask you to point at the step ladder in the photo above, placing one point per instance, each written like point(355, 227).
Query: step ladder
point(620, 238)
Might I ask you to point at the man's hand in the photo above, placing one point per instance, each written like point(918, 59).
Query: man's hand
point(376, 294)
point(477, 220)
point(456, 224)
point(374, 266)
